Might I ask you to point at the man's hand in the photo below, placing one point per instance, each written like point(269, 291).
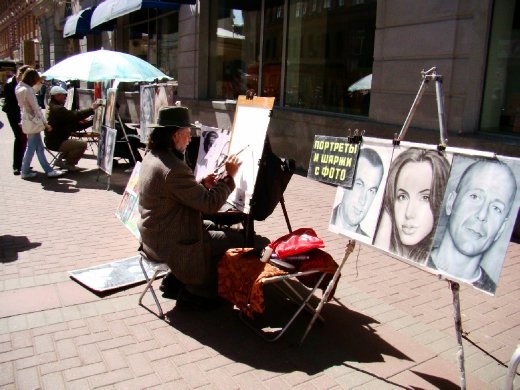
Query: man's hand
point(209, 181)
point(232, 165)
point(48, 127)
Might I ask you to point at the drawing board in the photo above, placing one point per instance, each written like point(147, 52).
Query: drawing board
point(252, 116)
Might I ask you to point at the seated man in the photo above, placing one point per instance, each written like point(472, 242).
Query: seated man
point(63, 123)
point(171, 205)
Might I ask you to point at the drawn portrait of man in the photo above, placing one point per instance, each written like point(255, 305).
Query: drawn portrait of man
point(213, 144)
point(356, 209)
point(480, 208)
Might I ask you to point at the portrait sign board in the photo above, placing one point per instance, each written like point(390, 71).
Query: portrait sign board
point(127, 211)
point(248, 134)
point(333, 160)
point(106, 147)
point(451, 213)
point(213, 150)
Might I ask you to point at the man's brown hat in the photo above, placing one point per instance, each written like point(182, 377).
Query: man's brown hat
point(173, 116)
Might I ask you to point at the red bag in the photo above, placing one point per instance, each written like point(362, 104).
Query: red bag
point(299, 241)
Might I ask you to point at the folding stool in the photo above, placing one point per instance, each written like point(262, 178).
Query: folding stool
point(157, 268)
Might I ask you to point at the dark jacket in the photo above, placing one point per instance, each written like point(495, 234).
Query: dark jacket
point(171, 203)
point(11, 103)
point(63, 123)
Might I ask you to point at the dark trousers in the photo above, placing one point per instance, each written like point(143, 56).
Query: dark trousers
point(20, 140)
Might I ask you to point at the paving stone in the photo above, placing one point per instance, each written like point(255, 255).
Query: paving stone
point(78, 339)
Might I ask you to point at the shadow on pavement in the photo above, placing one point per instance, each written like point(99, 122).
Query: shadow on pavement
point(73, 182)
point(346, 336)
point(10, 246)
point(439, 383)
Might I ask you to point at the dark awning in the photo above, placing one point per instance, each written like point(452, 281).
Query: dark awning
point(78, 25)
point(109, 10)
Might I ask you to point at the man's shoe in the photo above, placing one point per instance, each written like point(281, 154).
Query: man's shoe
point(187, 301)
point(72, 168)
point(170, 286)
point(16, 172)
point(60, 163)
point(55, 173)
point(29, 175)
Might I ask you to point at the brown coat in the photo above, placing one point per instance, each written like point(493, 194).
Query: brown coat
point(171, 203)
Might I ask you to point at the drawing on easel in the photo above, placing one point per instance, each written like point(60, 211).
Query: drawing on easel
point(478, 215)
point(110, 110)
point(356, 210)
point(250, 125)
point(213, 150)
point(106, 147)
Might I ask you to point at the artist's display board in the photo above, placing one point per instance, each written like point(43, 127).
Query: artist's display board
point(153, 98)
point(450, 213)
point(213, 151)
point(106, 148)
point(252, 116)
point(127, 211)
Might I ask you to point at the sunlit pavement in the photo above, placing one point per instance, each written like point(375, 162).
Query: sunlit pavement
point(389, 326)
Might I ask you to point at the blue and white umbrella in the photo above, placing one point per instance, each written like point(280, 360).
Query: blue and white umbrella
point(101, 65)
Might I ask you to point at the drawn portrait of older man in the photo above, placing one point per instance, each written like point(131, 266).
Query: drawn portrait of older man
point(479, 213)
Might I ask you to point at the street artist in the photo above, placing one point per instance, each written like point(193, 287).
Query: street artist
point(64, 122)
point(171, 204)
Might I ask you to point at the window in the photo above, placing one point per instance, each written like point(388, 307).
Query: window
point(234, 49)
point(501, 100)
point(327, 50)
point(153, 38)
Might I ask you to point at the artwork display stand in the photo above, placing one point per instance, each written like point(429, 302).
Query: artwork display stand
point(428, 75)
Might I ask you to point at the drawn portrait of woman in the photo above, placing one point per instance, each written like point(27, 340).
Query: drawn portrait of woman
point(411, 204)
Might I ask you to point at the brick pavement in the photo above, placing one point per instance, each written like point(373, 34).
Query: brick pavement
point(389, 327)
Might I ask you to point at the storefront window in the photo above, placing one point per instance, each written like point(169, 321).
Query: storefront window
point(501, 100)
point(234, 48)
point(153, 38)
point(328, 48)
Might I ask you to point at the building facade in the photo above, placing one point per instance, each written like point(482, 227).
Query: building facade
point(333, 66)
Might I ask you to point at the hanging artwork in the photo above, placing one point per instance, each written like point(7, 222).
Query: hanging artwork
point(479, 211)
point(106, 147)
point(356, 209)
point(99, 114)
point(153, 97)
point(110, 111)
point(450, 212)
